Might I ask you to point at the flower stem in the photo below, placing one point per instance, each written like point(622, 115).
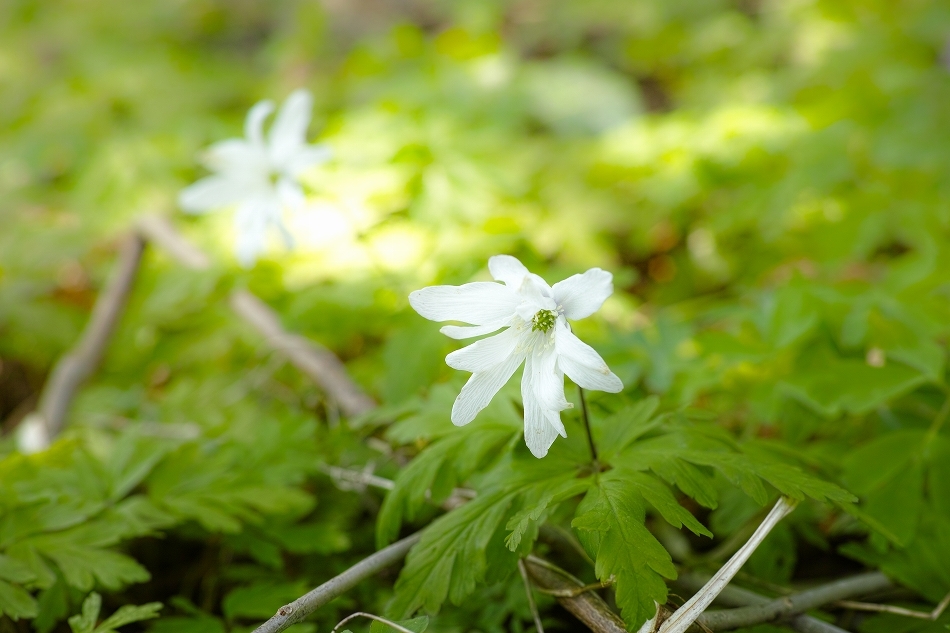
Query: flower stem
point(590, 436)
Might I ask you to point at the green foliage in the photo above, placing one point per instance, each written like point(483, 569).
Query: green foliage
point(86, 621)
point(610, 524)
point(766, 181)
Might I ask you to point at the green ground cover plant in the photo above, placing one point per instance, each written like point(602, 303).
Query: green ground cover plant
point(767, 185)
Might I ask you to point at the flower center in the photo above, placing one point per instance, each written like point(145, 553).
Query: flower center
point(543, 320)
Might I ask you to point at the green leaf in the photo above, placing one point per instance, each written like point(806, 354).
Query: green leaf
point(195, 624)
point(610, 524)
point(15, 570)
point(85, 622)
point(540, 499)
point(128, 614)
point(834, 385)
point(261, 599)
point(430, 477)
point(450, 559)
point(15, 602)
point(660, 497)
point(626, 426)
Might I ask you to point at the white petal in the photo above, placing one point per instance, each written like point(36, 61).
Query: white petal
point(582, 295)
point(291, 195)
point(461, 331)
point(254, 123)
point(481, 388)
point(209, 194)
point(548, 383)
point(236, 156)
point(477, 303)
point(250, 225)
point(535, 295)
point(539, 434)
point(289, 131)
point(306, 157)
point(507, 269)
point(484, 354)
point(579, 361)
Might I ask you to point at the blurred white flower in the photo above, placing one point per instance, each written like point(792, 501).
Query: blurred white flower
point(258, 175)
point(535, 315)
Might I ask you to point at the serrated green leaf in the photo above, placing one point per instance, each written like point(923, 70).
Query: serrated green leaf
point(660, 497)
point(626, 426)
point(431, 476)
point(450, 559)
point(623, 548)
point(128, 614)
point(541, 498)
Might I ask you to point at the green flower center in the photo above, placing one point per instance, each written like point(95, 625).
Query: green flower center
point(543, 320)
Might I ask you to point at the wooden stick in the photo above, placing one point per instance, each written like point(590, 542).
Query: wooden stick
point(303, 606)
point(77, 365)
point(313, 359)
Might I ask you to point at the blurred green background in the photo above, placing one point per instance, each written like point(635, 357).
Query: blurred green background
point(769, 182)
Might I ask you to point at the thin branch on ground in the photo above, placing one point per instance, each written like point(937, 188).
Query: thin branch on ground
point(588, 607)
point(527, 589)
point(361, 614)
point(296, 611)
point(886, 608)
point(76, 366)
point(160, 232)
point(786, 606)
point(316, 361)
point(738, 597)
point(319, 363)
point(349, 479)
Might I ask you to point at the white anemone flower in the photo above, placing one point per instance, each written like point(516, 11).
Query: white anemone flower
point(258, 175)
point(537, 334)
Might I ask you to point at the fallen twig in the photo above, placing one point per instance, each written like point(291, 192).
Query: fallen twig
point(361, 614)
point(886, 608)
point(588, 607)
point(319, 363)
point(303, 606)
point(796, 603)
point(72, 369)
point(738, 597)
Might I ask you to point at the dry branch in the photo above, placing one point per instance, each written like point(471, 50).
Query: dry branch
point(77, 365)
point(588, 607)
point(303, 606)
point(316, 361)
point(319, 363)
point(784, 607)
point(738, 597)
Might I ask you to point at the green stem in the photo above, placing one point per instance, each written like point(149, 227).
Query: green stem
point(590, 436)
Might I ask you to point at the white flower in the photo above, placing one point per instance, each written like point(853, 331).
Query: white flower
point(535, 315)
point(258, 175)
